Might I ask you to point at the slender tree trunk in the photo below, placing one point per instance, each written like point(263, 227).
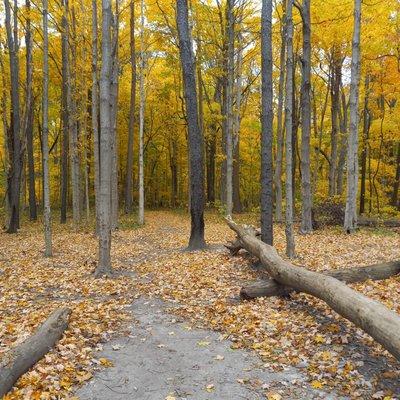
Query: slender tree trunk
point(29, 117)
point(64, 111)
point(45, 136)
point(335, 104)
point(343, 145)
point(290, 251)
point(196, 240)
point(306, 220)
point(230, 29)
point(237, 204)
point(73, 129)
point(114, 117)
point(350, 222)
point(15, 152)
point(280, 124)
point(95, 112)
point(131, 131)
point(267, 117)
point(395, 194)
point(104, 212)
point(366, 126)
point(142, 100)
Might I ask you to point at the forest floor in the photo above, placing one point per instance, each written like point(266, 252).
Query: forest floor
point(165, 301)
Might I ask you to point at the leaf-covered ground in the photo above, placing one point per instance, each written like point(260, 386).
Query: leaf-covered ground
point(301, 332)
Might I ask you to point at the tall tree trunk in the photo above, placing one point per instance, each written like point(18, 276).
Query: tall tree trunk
point(343, 145)
point(336, 78)
point(114, 117)
point(306, 206)
point(64, 111)
point(395, 194)
point(196, 240)
point(29, 116)
point(366, 127)
point(280, 124)
point(73, 129)
point(131, 128)
point(350, 221)
point(15, 151)
point(104, 212)
point(290, 250)
point(95, 112)
point(267, 117)
point(230, 31)
point(45, 136)
point(237, 204)
point(142, 100)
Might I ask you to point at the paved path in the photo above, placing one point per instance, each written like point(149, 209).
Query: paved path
point(164, 357)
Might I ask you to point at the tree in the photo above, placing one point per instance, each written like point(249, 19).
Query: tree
point(15, 150)
point(131, 128)
point(104, 212)
point(45, 136)
point(306, 195)
point(29, 115)
point(289, 130)
point(141, 117)
point(350, 221)
point(266, 123)
point(196, 240)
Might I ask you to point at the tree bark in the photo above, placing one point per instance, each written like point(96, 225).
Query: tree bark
point(95, 112)
point(64, 111)
point(142, 99)
point(306, 195)
point(15, 152)
point(290, 251)
point(267, 117)
point(196, 240)
point(369, 315)
point(21, 358)
point(45, 136)
point(270, 287)
point(131, 128)
point(350, 221)
point(395, 194)
point(280, 124)
point(104, 212)
point(29, 116)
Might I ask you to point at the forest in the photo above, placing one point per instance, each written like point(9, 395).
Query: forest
point(199, 199)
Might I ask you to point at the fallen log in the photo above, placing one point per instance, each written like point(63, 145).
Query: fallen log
point(20, 359)
point(371, 316)
point(270, 287)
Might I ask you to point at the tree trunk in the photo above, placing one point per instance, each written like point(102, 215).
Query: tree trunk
point(343, 145)
point(45, 136)
point(369, 315)
point(290, 251)
point(142, 100)
point(131, 128)
point(29, 116)
point(270, 287)
point(350, 222)
point(395, 194)
point(230, 31)
point(104, 212)
point(22, 357)
point(366, 127)
point(306, 206)
point(15, 151)
point(280, 124)
point(267, 117)
point(95, 112)
point(196, 240)
point(64, 111)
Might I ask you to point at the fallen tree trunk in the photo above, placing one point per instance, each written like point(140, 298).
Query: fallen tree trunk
point(369, 315)
point(270, 287)
point(20, 359)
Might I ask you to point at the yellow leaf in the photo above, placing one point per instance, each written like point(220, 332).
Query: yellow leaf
point(105, 362)
point(317, 384)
